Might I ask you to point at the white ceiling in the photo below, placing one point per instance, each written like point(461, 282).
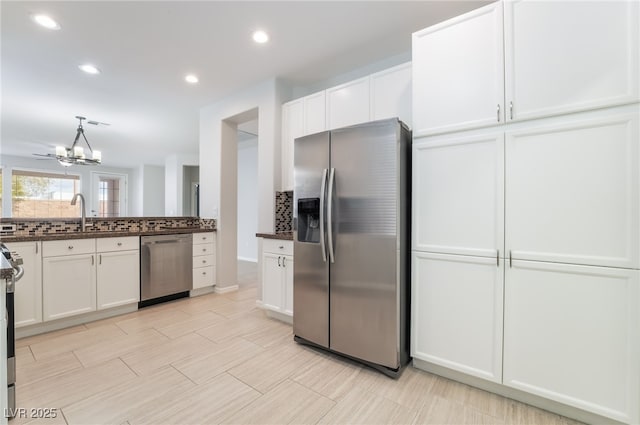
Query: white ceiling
point(145, 48)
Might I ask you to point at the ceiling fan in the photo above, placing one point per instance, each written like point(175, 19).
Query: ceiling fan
point(75, 154)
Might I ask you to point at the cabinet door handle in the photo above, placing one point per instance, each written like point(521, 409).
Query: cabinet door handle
point(100, 259)
point(510, 259)
point(204, 249)
point(70, 246)
point(283, 260)
point(511, 109)
point(281, 247)
point(279, 261)
point(204, 273)
point(92, 260)
point(36, 247)
point(497, 258)
point(498, 112)
point(119, 243)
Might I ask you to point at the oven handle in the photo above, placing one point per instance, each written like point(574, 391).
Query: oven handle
point(17, 275)
point(19, 272)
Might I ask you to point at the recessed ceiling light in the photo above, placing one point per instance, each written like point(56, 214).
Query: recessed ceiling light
point(191, 79)
point(260, 37)
point(89, 69)
point(46, 21)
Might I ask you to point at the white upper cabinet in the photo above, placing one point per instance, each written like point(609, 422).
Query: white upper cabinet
point(315, 113)
point(535, 59)
point(458, 71)
point(292, 127)
point(572, 334)
point(458, 195)
point(391, 94)
point(348, 104)
point(564, 56)
point(572, 191)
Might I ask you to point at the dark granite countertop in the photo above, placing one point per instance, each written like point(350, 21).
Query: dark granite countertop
point(6, 271)
point(288, 236)
point(101, 234)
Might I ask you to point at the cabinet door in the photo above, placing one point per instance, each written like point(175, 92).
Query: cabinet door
point(391, 94)
point(28, 291)
point(287, 262)
point(458, 195)
point(572, 191)
point(456, 317)
point(118, 278)
point(572, 334)
point(585, 57)
point(292, 127)
point(458, 73)
point(315, 113)
point(348, 104)
point(68, 285)
point(272, 288)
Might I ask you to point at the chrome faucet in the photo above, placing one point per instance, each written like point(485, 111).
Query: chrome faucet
point(83, 211)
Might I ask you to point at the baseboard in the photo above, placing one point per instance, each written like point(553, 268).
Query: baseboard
point(250, 260)
point(225, 289)
point(522, 396)
point(68, 322)
point(202, 291)
point(279, 316)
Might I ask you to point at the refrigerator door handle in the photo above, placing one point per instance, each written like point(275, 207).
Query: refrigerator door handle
point(323, 188)
point(332, 174)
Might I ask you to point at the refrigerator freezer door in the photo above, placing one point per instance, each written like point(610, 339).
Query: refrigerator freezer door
point(310, 268)
point(364, 296)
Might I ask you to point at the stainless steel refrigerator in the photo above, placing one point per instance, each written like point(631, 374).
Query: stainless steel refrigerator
point(351, 242)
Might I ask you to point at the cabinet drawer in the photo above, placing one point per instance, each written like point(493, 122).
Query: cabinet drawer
point(204, 276)
point(204, 261)
point(277, 246)
point(68, 247)
point(124, 243)
point(204, 249)
point(200, 238)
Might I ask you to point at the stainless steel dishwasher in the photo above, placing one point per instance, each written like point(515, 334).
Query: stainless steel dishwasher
point(166, 266)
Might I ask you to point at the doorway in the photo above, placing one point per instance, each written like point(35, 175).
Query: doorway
point(108, 195)
point(247, 201)
point(229, 226)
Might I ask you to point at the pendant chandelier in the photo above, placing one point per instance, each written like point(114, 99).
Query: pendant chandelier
point(75, 154)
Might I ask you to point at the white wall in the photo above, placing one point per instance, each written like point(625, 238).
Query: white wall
point(173, 182)
point(153, 191)
point(248, 199)
point(8, 162)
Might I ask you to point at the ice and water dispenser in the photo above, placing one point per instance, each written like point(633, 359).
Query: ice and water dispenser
point(309, 220)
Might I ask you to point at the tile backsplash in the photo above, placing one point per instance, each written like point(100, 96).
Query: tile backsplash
point(25, 227)
point(284, 211)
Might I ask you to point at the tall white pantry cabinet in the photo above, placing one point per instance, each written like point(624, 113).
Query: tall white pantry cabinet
point(526, 203)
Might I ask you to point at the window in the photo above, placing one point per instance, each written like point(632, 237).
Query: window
point(41, 194)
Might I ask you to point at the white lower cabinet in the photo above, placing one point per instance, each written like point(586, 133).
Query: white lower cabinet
point(84, 275)
point(457, 302)
point(572, 334)
point(118, 278)
point(28, 291)
point(277, 276)
point(204, 260)
point(68, 285)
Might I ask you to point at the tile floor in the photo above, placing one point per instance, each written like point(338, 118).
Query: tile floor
point(218, 359)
